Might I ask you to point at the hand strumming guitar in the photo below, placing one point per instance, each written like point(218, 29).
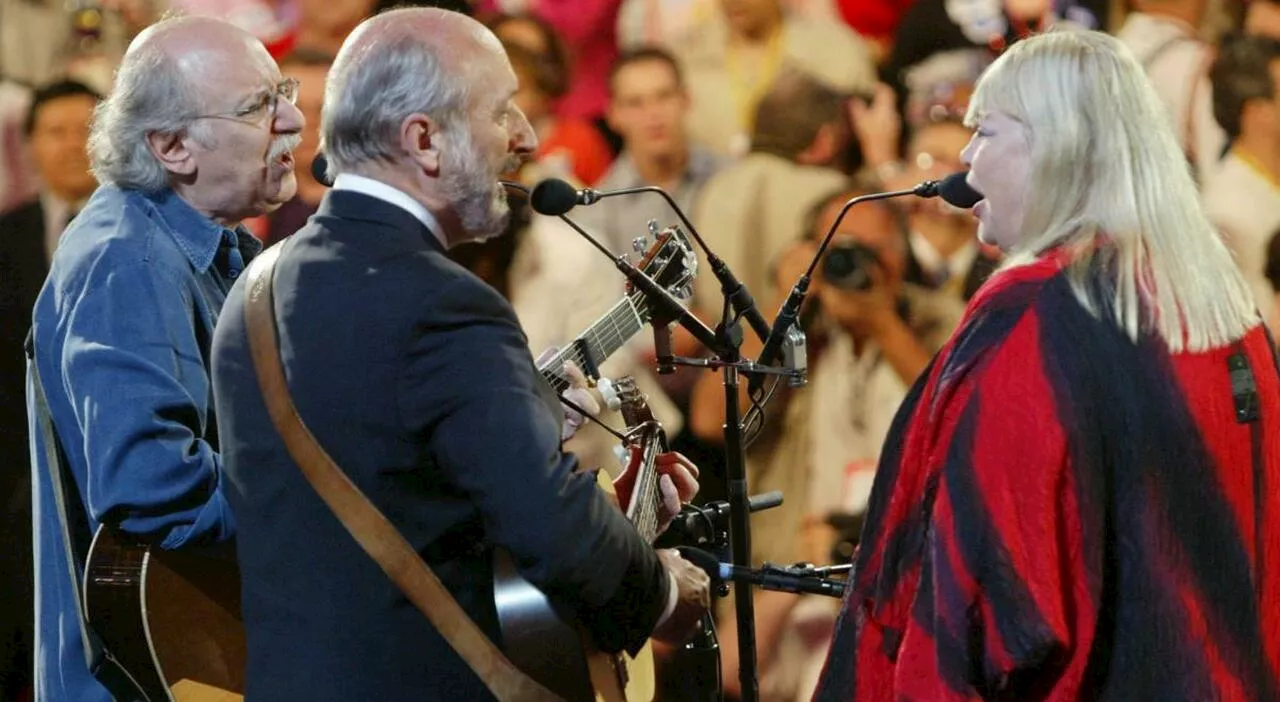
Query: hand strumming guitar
point(677, 483)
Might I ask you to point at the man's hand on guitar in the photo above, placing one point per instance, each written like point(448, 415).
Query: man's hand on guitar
point(693, 598)
point(579, 393)
point(677, 483)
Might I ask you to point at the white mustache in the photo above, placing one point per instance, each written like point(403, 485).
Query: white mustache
point(283, 145)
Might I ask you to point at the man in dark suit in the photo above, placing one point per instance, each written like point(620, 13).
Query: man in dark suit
point(56, 130)
point(416, 378)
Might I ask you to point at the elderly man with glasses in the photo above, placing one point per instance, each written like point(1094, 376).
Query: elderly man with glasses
point(197, 136)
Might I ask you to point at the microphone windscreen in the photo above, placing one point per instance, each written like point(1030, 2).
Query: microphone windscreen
point(957, 192)
point(319, 170)
point(553, 197)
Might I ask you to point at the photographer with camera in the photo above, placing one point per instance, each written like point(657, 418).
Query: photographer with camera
point(869, 335)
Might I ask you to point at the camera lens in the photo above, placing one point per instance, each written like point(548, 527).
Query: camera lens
point(848, 266)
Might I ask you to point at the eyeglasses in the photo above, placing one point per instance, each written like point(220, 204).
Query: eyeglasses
point(267, 102)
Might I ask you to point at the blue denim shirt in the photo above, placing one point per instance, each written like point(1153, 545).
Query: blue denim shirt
point(122, 331)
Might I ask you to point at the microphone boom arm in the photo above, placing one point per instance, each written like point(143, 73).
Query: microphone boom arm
point(789, 312)
point(737, 294)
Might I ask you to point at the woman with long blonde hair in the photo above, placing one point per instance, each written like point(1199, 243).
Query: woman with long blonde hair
point(1079, 499)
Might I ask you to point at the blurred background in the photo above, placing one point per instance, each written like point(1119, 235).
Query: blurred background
point(760, 117)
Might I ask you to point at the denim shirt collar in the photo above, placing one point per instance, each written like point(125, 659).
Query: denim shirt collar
point(196, 235)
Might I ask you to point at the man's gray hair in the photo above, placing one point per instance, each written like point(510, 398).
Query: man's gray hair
point(151, 95)
point(371, 89)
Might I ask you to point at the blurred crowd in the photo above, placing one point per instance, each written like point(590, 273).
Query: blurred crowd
point(760, 118)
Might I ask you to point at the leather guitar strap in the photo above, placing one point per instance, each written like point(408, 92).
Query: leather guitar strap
point(375, 534)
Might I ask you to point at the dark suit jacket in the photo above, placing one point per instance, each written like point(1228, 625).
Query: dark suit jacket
point(23, 266)
point(416, 377)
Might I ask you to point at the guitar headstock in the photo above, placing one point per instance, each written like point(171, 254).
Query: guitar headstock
point(669, 259)
point(634, 404)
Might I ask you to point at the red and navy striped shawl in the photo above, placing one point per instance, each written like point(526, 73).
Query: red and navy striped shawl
point(1063, 514)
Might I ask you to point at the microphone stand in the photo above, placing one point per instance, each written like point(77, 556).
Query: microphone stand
point(725, 345)
point(732, 289)
point(790, 310)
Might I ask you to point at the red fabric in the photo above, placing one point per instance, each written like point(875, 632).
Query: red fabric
point(589, 30)
point(873, 18)
point(582, 143)
point(1062, 514)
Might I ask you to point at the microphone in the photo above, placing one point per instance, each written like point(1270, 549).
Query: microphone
point(556, 197)
point(553, 197)
point(763, 579)
point(952, 189)
point(320, 168)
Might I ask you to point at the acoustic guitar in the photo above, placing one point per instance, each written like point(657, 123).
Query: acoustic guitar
point(170, 621)
point(542, 636)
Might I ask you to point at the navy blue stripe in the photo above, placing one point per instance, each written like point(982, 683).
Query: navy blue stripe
point(1028, 639)
point(954, 624)
point(1149, 450)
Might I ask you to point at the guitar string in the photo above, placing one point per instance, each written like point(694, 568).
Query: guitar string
point(617, 337)
point(611, 325)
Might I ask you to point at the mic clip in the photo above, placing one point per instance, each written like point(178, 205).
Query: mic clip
point(795, 356)
point(665, 363)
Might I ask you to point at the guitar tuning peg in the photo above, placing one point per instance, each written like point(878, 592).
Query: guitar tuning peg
point(639, 244)
point(609, 393)
point(654, 230)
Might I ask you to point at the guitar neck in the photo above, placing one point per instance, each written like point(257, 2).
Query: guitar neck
point(646, 497)
point(600, 341)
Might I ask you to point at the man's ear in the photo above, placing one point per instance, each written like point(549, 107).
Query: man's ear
point(420, 137)
point(824, 148)
point(172, 152)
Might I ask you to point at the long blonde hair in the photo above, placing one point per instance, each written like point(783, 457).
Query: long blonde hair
point(1108, 176)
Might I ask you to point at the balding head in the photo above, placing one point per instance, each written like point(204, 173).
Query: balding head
point(200, 107)
point(455, 36)
point(422, 99)
point(393, 65)
point(172, 71)
point(203, 49)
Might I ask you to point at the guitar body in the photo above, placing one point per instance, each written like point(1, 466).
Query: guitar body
point(542, 639)
point(169, 621)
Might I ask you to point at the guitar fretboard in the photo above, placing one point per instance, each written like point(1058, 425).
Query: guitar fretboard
point(646, 496)
point(600, 341)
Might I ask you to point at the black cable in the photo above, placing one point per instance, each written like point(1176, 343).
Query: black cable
point(572, 405)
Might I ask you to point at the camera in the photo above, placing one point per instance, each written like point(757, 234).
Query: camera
point(848, 266)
